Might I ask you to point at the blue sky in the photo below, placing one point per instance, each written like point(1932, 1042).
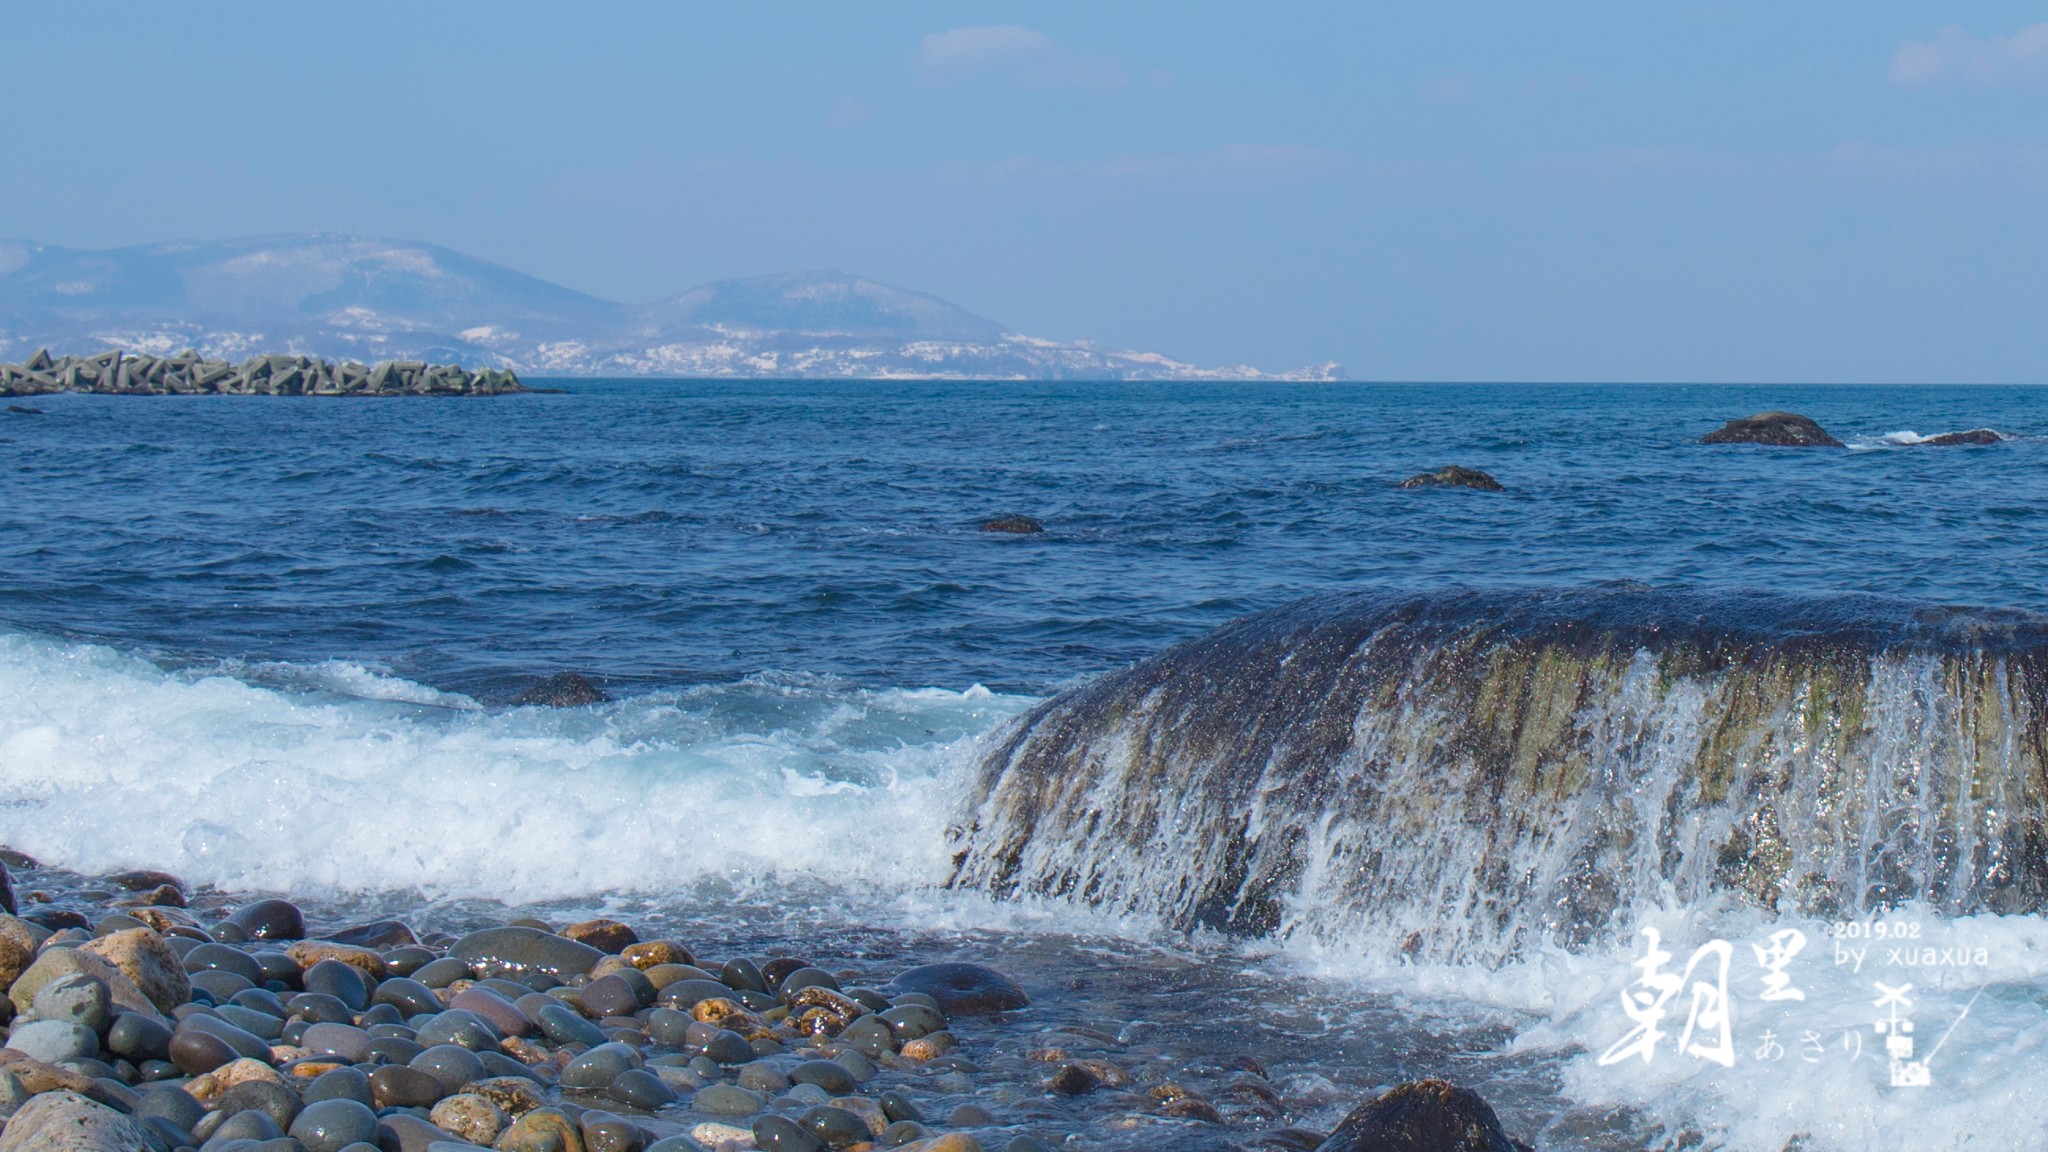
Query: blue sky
point(1585, 191)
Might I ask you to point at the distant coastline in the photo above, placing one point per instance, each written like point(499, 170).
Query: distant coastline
point(340, 298)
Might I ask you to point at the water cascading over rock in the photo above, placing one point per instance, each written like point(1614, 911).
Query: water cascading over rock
point(1463, 776)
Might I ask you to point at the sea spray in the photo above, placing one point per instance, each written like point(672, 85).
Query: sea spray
point(108, 761)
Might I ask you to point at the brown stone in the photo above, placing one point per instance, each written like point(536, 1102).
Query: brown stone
point(818, 1011)
point(17, 949)
point(514, 1095)
point(56, 962)
point(310, 952)
point(470, 1116)
point(648, 953)
point(927, 1047)
point(211, 1085)
point(144, 958)
point(604, 935)
point(39, 1077)
point(542, 1130)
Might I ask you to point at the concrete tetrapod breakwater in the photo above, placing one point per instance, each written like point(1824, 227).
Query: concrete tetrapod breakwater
point(187, 373)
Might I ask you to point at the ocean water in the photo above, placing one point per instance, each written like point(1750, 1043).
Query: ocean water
point(275, 644)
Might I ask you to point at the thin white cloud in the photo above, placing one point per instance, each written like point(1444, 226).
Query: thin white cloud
point(1016, 56)
point(1953, 56)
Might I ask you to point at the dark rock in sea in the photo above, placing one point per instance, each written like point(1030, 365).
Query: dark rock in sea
point(1014, 525)
point(563, 690)
point(24, 410)
point(1778, 429)
point(1952, 439)
point(7, 892)
point(964, 989)
point(1423, 1116)
point(270, 920)
point(1454, 476)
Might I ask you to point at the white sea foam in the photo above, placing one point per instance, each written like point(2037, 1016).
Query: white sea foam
point(372, 783)
point(1812, 1070)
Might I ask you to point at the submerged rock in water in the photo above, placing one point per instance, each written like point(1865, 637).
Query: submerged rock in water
point(1455, 476)
point(563, 690)
point(1425, 1116)
point(1778, 429)
point(1973, 436)
point(1014, 525)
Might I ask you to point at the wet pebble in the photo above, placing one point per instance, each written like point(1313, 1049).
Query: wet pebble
point(641, 1089)
point(452, 1065)
point(728, 1100)
point(270, 920)
point(835, 1127)
point(330, 1125)
point(409, 997)
point(404, 1087)
point(780, 1134)
point(339, 980)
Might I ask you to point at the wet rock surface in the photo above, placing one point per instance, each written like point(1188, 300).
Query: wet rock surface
point(136, 374)
point(1777, 429)
point(1425, 1116)
point(1013, 525)
point(1975, 437)
point(562, 690)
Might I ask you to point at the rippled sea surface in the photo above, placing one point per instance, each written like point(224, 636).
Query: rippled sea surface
point(664, 533)
point(274, 644)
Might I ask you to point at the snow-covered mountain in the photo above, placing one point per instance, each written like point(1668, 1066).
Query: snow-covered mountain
point(348, 297)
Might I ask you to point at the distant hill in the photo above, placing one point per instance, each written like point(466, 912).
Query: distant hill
point(348, 297)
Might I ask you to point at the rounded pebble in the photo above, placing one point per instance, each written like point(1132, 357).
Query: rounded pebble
point(331, 1125)
point(832, 1077)
point(404, 1087)
point(728, 1100)
point(779, 1134)
point(641, 1089)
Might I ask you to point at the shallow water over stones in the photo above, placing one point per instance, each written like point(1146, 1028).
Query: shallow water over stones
point(1122, 1045)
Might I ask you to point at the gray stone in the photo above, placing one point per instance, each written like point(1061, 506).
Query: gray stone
point(52, 1040)
point(519, 951)
point(81, 999)
point(728, 1100)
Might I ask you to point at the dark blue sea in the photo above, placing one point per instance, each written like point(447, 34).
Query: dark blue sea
point(662, 534)
point(277, 644)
